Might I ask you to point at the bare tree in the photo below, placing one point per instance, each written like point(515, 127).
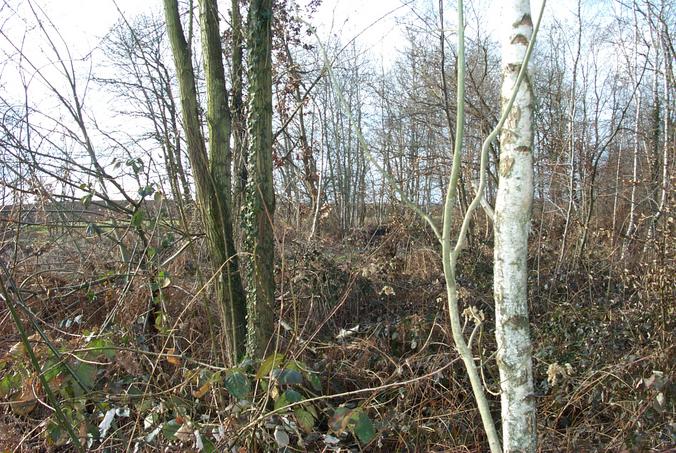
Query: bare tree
point(211, 172)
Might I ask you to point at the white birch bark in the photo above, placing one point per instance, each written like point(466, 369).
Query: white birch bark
point(664, 189)
point(665, 148)
point(631, 228)
point(571, 148)
point(512, 223)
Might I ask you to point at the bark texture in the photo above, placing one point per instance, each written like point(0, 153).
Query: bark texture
point(220, 159)
point(237, 109)
point(211, 178)
point(260, 195)
point(512, 222)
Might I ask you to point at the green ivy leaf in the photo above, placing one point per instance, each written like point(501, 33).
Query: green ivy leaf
point(288, 397)
point(86, 374)
point(137, 219)
point(9, 383)
point(315, 382)
point(287, 377)
point(362, 426)
point(272, 361)
point(146, 191)
point(237, 384)
point(51, 369)
point(169, 429)
point(167, 240)
point(208, 446)
point(86, 200)
point(304, 418)
point(55, 434)
point(101, 346)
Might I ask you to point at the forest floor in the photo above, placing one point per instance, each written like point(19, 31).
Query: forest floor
point(364, 358)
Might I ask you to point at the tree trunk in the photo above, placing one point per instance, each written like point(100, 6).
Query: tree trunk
point(512, 221)
point(571, 149)
point(238, 120)
point(631, 228)
point(260, 195)
point(220, 158)
point(210, 182)
point(664, 187)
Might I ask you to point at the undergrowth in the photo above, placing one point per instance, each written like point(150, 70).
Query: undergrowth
point(364, 360)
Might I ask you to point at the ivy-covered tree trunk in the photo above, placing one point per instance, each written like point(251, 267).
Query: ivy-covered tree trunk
point(237, 109)
point(220, 159)
point(260, 194)
point(212, 178)
point(512, 222)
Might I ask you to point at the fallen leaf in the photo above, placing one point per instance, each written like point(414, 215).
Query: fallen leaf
point(200, 392)
point(26, 402)
point(107, 421)
point(184, 433)
point(173, 358)
point(281, 437)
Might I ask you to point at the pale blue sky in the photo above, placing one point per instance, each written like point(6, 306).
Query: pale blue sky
point(84, 22)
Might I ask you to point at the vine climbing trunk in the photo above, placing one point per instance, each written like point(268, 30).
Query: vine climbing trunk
point(211, 173)
point(220, 159)
point(512, 222)
point(237, 109)
point(260, 196)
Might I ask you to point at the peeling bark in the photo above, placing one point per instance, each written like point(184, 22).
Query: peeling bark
point(512, 223)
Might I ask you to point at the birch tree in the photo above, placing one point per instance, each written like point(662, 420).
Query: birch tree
point(512, 222)
point(631, 228)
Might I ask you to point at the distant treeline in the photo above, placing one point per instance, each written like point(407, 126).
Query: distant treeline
point(76, 211)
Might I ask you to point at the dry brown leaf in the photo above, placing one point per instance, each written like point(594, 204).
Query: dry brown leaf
point(56, 382)
point(172, 358)
point(129, 363)
point(184, 433)
point(200, 392)
point(26, 402)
